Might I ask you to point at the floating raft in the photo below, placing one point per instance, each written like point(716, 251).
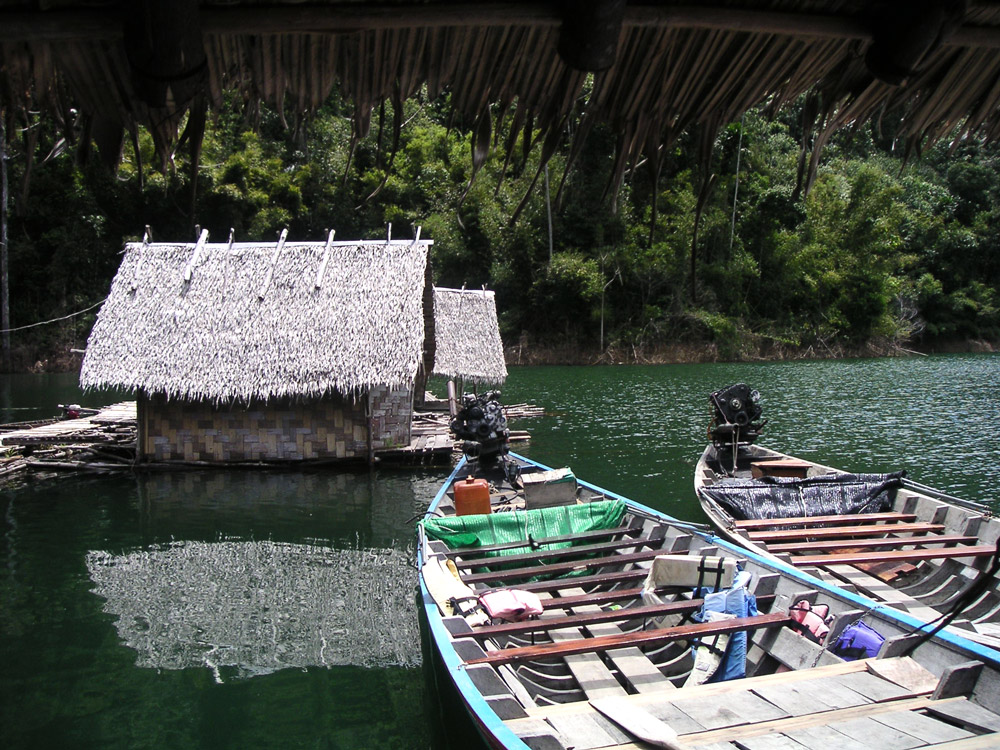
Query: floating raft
point(112, 424)
point(105, 441)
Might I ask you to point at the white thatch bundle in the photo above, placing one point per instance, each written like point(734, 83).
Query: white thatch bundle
point(254, 321)
point(467, 337)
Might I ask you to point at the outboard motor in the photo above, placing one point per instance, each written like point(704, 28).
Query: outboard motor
point(482, 424)
point(736, 419)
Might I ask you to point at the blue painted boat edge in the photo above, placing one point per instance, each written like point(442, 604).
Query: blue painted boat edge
point(903, 618)
point(494, 732)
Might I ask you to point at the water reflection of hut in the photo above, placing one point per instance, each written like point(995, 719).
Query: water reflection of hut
point(253, 351)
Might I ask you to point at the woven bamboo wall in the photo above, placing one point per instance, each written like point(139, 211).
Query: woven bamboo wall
point(277, 430)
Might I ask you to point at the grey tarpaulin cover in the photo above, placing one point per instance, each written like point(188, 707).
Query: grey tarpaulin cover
point(785, 497)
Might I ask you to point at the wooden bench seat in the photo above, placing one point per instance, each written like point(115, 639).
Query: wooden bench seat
point(832, 532)
point(514, 574)
point(850, 544)
point(900, 555)
point(598, 579)
point(489, 548)
point(554, 554)
point(654, 637)
point(686, 606)
point(764, 523)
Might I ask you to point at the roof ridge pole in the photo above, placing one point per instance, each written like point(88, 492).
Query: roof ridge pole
point(416, 238)
point(195, 256)
point(274, 261)
point(326, 259)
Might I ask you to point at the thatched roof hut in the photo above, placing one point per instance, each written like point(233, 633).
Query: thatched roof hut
point(467, 336)
point(224, 321)
point(661, 68)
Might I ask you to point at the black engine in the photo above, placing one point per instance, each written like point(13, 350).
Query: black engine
point(736, 417)
point(482, 424)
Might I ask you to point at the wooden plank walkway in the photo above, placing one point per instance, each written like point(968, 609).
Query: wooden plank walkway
point(112, 424)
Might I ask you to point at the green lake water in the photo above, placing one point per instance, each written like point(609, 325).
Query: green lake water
point(275, 609)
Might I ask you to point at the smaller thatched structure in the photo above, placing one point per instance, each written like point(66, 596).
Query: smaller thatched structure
point(253, 351)
point(467, 336)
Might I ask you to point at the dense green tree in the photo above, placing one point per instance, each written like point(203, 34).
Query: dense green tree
point(878, 250)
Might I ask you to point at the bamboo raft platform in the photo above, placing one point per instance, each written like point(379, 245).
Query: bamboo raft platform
point(113, 424)
point(106, 441)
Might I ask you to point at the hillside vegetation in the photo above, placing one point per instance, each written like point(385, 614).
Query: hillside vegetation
point(877, 257)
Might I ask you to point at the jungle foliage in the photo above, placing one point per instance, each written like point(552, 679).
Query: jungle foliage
point(878, 251)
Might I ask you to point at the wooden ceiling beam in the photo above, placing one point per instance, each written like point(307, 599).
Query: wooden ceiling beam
point(60, 25)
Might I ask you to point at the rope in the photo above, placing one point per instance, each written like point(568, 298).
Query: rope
point(54, 320)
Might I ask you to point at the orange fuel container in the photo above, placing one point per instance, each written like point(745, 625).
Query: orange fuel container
point(471, 496)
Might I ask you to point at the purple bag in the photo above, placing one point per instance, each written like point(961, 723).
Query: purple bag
point(858, 641)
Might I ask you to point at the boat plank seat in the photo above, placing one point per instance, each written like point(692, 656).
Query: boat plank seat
point(844, 544)
point(900, 555)
point(489, 548)
point(562, 567)
point(833, 532)
point(654, 637)
point(602, 597)
point(592, 618)
point(580, 620)
point(554, 554)
point(764, 523)
point(780, 467)
point(598, 579)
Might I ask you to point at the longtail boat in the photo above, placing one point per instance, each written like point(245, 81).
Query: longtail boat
point(885, 536)
point(570, 617)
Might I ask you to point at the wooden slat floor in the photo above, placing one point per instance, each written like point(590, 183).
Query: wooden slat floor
point(884, 703)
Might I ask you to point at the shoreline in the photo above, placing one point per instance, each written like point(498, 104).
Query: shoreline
point(529, 354)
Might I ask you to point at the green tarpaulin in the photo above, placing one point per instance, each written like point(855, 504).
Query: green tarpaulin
point(469, 532)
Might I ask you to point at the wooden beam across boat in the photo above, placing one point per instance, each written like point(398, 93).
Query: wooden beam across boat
point(685, 606)
point(562, 567)
point(599, 579)
point(899, 555)
point(894, 541)
point(765, 523)
point(551, 554)
point(832, 532)
point(601, 597)
point(489, 548)
point(655, 637)
point(569, 621)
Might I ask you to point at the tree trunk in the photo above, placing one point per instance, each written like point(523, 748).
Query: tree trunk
point(4, 283)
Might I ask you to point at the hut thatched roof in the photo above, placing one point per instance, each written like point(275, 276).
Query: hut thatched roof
point(259, 321)
point(661, 67)
point(467, 336)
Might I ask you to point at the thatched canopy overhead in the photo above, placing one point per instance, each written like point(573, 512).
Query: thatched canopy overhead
point(222, 321)
point(467, 336)
point(661, 67)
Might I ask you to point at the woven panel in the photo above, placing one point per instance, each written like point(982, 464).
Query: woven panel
point(276, 430)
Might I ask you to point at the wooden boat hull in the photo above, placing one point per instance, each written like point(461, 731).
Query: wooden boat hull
point(598, 670)
point(925, 536)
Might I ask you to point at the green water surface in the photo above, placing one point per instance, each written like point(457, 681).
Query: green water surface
point(213, 609)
